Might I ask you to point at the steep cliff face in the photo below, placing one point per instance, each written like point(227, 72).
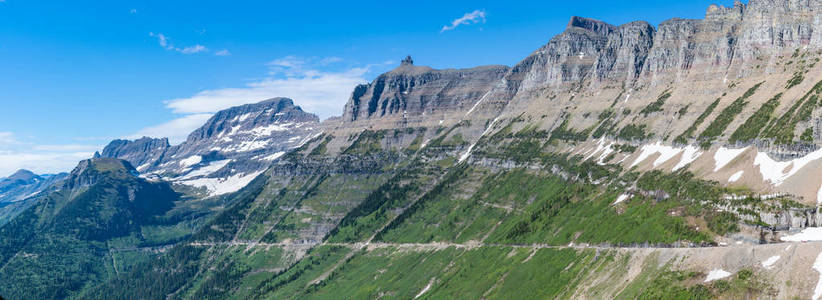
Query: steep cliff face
point(587, 49)
point(411, 93)
point(232, 148)
point(139, 152)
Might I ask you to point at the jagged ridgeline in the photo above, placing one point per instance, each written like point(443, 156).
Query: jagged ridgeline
point(635, 161)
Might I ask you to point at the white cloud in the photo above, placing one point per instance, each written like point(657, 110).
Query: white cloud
point(193, 49)
point(40, 163)
point(317, 91)
point(162, 39)
point(7, 138)
point(41, 159)
point(477, 16)
point(223, 52)
point(164, 42)
point(176, 130)
point(321, 92)
point(68, 148)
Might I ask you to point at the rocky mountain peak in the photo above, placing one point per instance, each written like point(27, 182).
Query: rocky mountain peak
point(721, 12)
point(231, 148)
point(90, 171)
point(412, 93)
point(407, 61)
point(23, 175)
point(102, 165)
point(267, 112)
point(592, 25)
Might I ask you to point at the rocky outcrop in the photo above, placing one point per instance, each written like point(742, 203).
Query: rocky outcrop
point(411, 92)
point(138, 152)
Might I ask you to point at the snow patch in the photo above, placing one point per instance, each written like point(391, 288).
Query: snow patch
point(478, 103)
point(819, 196)
point(736, 176)
point(268, 130)
point(207, 169)
point(689, 155)
point(467, 153)
point(817, 265)
point(191, 160)
point(274, 156)
point(143, 167)
point(666, 153)
point(244, 117)
point(622, 198)
point(600, 147)
point(775, 171)
point(425, 289)
point(717, 274)
point(248, 146)
point(220, 186)
point(768, 263)
point(807, 234)
point(723, 156)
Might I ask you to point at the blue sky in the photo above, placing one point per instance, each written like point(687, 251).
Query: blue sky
point(76, 74)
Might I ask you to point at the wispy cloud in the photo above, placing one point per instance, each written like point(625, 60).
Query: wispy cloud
point(223, 52)
point(313, 83)
point(7, 138)
point(41, 163)
point(165, 42)
point(16, 154)
point(176, 130)
point(477, 16)
point(193, 49)
point(317, 91)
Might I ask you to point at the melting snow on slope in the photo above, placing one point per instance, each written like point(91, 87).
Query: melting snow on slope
point(274, 156)
point(243, 117)
point(248, 146)
point(143, 167)
point(819, 197)
point(191, 160)
point(268, 130)
point(689, 155)
point(807, 234)
point(723, 156)
point(817, 265)
point(622, 198)
point(471, 148)
point(478, 102)
point(736, 176)
point(666, 153)
point(220, 186)
point(425, 289)
point(768, 263)
point(602, 149)
point(717, 274)
point(775, 171)
point(208, 169)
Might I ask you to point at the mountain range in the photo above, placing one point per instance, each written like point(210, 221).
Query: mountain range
point(630, 161)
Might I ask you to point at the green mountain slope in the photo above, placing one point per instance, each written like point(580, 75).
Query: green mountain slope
point(63, 242)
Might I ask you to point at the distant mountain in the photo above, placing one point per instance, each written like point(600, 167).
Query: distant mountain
point(222, 156)
point(62, 242)
point(25, 184)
